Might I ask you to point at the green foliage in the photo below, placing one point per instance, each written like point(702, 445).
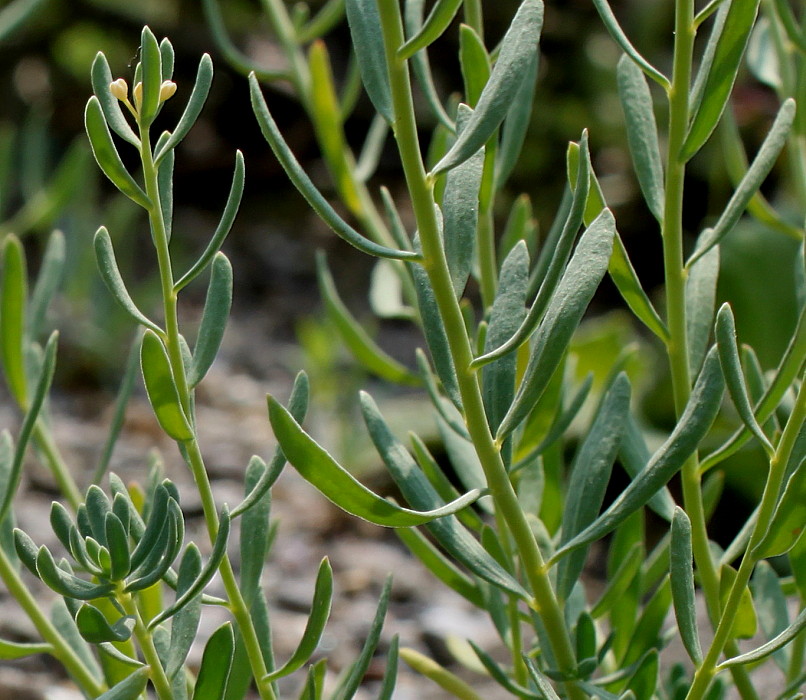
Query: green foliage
point(501, 315)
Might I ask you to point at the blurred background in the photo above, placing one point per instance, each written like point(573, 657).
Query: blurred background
point(47, 179)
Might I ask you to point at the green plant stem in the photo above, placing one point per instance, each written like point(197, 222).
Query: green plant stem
point(675, 280)
point(474, 17)
point(47, 446)
point(769, 498)
point(195, 462)
point(158, 678)
point(61, 648)
point(434, 262)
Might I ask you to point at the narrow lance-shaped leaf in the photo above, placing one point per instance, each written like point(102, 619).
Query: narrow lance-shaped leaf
point(208, 571)
point(770, 647)
point(95, 628)
point(185, 623)
point(460, 210)
point(642, 133)
point(130, 688)
point(734, 378)
point(298, 407)
point(107, 156)
point(789, 520)
point(223, 228)
point(418, 491)
point(211, 683)
point(590, 474)
point(722, 72)
point(626, 280)
point(306, 187)
point(474, 62)
point(339, 486)
point(110, 274)
point(214, 319)
point(517, 49)
point(582, 277)
point(557, 249)
point(198, 96)
point(681, 576)
point(349, 685)
point(101, 80)
point(256, 531)
point(161, 388)
point(14, 298)
point(516, 124)
point(434, 330)
point(362, 347)
point(365, 29)
point(507, 313)
point(29, 422)
point(756, 173)
point(165, 186)
point(19, 650)
point(314, 627)
point(47, 282)
point(67, 584)
point(413, 20)
point(694, 423)
point(700, 305)
point(438, 20)
point(151, 70)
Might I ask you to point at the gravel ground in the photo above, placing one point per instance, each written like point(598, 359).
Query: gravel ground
point(233, 423)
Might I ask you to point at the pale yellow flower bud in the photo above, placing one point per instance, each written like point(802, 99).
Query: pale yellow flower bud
point(119, 89)
point(137, 93)
point(167, 90)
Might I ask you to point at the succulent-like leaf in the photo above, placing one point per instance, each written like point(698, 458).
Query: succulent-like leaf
point(731, 42)
point(67, 584)
point(198, 96)
point(517, 52)
point(694, 423)
point(107, 156)
point(438, 20)
point(130, 688)
point(339, 486)
point(13, 301)
point(161, 388)
point(681, 575)
point(789, 520)
point(185, 622)
point(214, 319)
point(642, 133)
point(568, 303)
point(216, 663)
point(110, 274)
point(306, 187)
point(94, 627)
point(365, 28)
point(110, 105)
point(756, 173)
point(314, 627)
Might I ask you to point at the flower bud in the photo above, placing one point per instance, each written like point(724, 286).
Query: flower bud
point(137, 93)
point(119, 89)
point(167, 90)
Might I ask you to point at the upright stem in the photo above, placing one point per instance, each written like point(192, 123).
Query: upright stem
point(675, 279)
point(194, 457)
point(161, 683)
point(435, 265)
point(769, 498)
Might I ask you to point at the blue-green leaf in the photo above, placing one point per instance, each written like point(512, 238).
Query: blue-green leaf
point(700, 305)
point(681, 575)
point(721, 73)
point(694, 423)
point(103, 148)
point(315, 626)
point(214, 319)
point(755, 175)
point(110, 105)
point(130, 688)
point(565, 310)
point(216, 663)
point(417, 490)
point(339, 486)
point(590, 474)
point(642, 133)
point(110, 274)
point(438, 20)
point(161, 388)
point(365, 28)
point(94, 627)
point(306, 187)
point(515, 56)
point(460, 210)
